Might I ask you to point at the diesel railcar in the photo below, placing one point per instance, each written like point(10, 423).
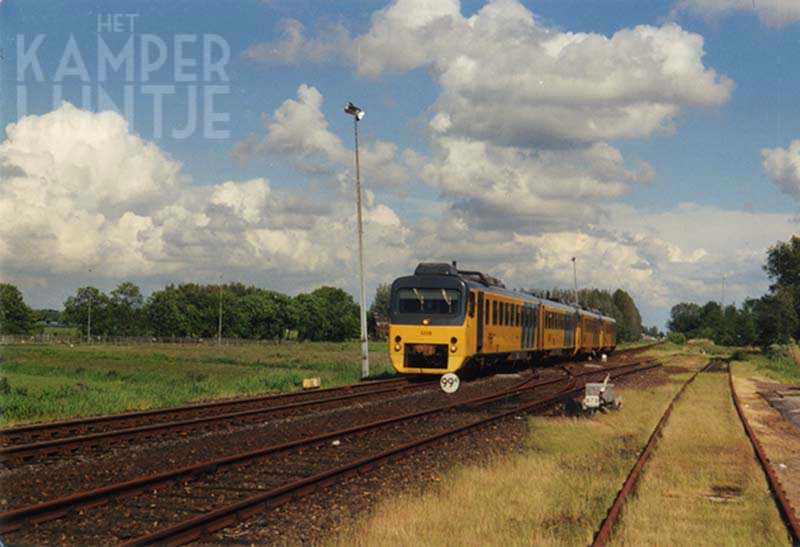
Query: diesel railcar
point(444, 319)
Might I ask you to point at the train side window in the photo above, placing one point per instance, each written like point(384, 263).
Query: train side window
point(486, 313)
point(494, 312)
point(524, 317)
point(516, 315)
point(503, 308)
point(471, 304)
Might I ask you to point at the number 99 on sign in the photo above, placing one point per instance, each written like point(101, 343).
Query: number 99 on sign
point(449, 383)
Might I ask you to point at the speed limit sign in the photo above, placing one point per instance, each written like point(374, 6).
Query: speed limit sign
point(449, 383)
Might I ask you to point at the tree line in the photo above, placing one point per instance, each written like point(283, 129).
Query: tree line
point(193, 311)
point(771, 319)
point(619, 305)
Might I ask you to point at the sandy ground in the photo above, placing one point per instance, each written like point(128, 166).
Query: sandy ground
point(779, 437)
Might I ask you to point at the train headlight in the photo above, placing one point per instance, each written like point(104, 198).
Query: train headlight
point(397, 347)
point(453, 349)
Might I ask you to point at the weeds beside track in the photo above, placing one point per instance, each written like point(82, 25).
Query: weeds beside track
point(174, 503)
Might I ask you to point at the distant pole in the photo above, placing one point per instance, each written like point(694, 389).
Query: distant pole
point(358, 114)
point(219, 326)
point(575, 279)
point(89, 317)
point(722, 304)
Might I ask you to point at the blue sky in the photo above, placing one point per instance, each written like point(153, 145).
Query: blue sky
point(706, 167)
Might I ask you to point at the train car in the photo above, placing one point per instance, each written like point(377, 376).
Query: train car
point(444, 319)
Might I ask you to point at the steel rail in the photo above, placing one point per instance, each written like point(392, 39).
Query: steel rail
point(606, 527)
point(194, 528)
point(6, 434)
point(55, 508)
point(127, 416)
point(23, 452)
point(784, 506)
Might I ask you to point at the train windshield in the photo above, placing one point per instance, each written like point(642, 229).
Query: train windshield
point(428, 301)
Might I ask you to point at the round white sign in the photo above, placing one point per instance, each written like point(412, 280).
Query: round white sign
point(449, 383)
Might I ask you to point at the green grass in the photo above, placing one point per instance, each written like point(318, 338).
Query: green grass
point(702, 485)
point(56, 381)
point(778, 366)
point(554, 492)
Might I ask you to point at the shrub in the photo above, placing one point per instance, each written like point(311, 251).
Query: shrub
point(677, 338)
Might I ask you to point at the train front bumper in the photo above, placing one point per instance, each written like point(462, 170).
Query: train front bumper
point(419, 349)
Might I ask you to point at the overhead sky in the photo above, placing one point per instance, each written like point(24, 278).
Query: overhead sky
point(658, 142)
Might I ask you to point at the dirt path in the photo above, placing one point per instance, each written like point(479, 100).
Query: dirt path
point(702, 485)
point(780, 438)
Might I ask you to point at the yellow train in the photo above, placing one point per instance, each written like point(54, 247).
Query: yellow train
point(445, 320)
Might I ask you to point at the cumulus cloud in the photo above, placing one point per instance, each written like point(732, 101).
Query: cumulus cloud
point(529, 190)
point(106, 199)
point(519, 132)
point(508, 78)
point(293, 46)
point(298, 131)
point(783, 167)
point(772, 12)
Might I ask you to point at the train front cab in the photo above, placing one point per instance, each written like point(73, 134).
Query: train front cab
point(430, 318)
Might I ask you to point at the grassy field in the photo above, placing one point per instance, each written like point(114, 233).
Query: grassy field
point(555, 493)
point(54, 381)
point(702, 485)
point(779, 366)
point(558, 490)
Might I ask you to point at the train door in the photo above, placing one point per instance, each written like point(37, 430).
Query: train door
point(480, 322)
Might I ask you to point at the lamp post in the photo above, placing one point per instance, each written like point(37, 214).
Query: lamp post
point(219, 326)
point(575, 279)
point(89, 316)
point(358, 115)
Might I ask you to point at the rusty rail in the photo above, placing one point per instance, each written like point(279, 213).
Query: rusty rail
point(606, 527)
point(56, 508)
point(194, 528)
point(25, 452)
point(12, 453)
point(82, 423)
point(784, 507)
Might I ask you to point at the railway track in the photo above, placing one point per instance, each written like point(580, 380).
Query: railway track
point(31, 443)
point(183, 504)
point(784, 507)
point(606, 527)
point(26, 444)
point(603, 534)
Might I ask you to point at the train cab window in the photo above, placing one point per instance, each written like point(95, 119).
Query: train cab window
point(494, 312)
point(428, 301)
point(471, 304)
